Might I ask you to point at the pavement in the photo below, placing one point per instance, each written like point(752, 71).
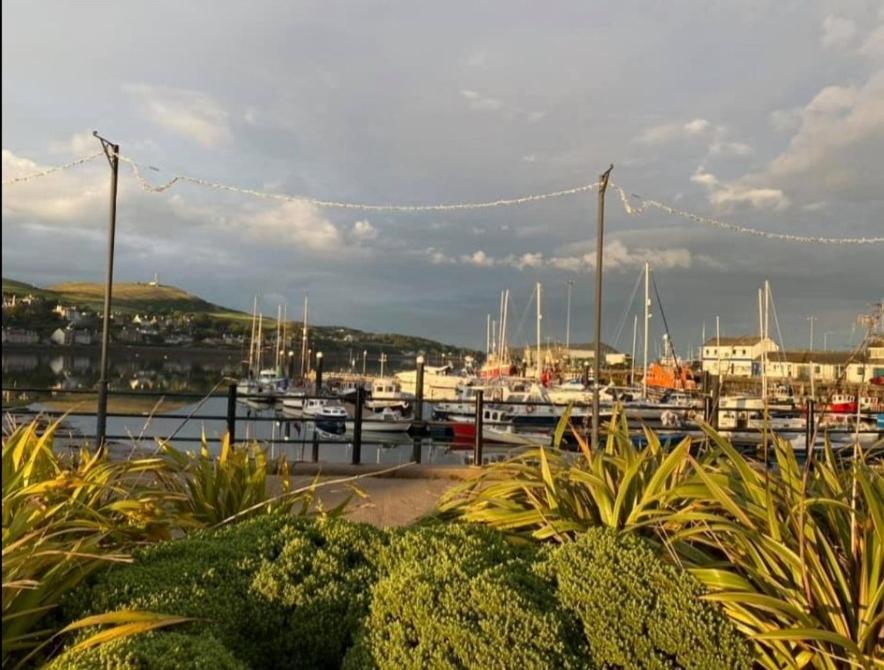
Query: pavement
point(383, 501)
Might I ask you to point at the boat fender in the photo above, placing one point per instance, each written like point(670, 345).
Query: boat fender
point(529, 409)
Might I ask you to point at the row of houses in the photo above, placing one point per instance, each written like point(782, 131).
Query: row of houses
point(742, 357)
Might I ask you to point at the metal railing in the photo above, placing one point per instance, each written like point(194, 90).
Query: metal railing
point(420, 426)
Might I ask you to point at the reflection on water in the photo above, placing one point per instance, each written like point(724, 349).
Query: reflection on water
point(143, 368)
point(192, 371)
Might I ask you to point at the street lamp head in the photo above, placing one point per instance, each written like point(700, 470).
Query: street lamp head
point(318, 354)
point(420, 360)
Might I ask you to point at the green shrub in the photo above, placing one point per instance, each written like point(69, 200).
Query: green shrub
point(639, 612)
point(462, 597)
point(276, 591)
point(153, 651)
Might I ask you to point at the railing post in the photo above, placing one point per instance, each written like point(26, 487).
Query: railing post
point(707, 409)
point(315, 445)
point(419, 395)
point(477, 450)
point(357, 425)
point(231, 412)
point(101, 414)
point(716, 400)
point(318, 373)
point(809, 427)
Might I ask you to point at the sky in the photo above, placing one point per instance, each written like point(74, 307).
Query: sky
point(767, 114)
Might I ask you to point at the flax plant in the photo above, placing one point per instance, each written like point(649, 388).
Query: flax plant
point(62, 521)
point(793, 554)
point(795, 560)
point(211, 490)
point(546, 493)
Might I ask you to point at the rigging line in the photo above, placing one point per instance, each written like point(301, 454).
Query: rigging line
point(502, 202)
point(644, 203)
point(49, 171)
point(627, 306)
point(521, 324)
point(777, 323)
point(665, 324)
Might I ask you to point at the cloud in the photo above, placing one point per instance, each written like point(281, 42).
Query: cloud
point(72, 197)
point(364, 231)
point(739, 192)
point(297, 223)
point(479, 259)
point(838, 32)
point(721, 148)
point(190, 114)
point(671, 132)
point(484, 103)
point(873, 47)
point(481, 103)
point(618, 257)
point(838, 144)
point(79, 144)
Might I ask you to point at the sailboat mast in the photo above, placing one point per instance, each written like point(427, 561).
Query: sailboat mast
point(260, 343)
point(278, 336)
point(766, 338)
point(568, 318)
point(285, 316)
point(252, 338)
point(304, 341)
point(506, 308)
point(647, 328)
point(487, 335)
point(761, 338)
point(632, 360)
point(499, 329)
point(539, 317)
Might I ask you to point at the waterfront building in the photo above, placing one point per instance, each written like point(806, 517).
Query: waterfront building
point(736, 356)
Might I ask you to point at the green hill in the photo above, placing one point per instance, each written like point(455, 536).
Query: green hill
point(135, 297)
point(204, 318)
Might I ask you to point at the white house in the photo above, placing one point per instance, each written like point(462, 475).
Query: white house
point(736, 356)
point(69, 336)
point(19, 336)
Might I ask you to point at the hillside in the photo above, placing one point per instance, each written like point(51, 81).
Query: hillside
point(134, 297)
point(203, 319)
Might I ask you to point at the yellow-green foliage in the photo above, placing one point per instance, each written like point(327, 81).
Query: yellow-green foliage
point(275, 591)
point(170, 650)
point(793, 553)
point(640, 613)
point(67, 517)
point(460, 597)
point(211, 490)
point(62, 520)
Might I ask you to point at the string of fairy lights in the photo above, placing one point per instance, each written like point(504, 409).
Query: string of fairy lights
point(633, 203)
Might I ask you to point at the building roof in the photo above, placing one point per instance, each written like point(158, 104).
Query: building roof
point(747, 340)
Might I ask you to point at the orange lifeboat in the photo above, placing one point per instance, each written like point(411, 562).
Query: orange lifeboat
point(669, 377)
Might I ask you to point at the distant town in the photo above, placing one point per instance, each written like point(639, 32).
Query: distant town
point(151, 314)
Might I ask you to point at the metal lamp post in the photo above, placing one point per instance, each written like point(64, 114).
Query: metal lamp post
point(112, 152)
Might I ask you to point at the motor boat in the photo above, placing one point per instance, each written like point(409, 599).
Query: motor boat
point(383, 420)
point(328, 414)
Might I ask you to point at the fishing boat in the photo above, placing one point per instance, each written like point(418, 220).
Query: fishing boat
point(386, 392)
point(385, 420)
point(328, 414)
point(497, 427)
point(440, 382)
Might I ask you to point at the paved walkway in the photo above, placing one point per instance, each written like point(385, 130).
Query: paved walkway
point(383, 502)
